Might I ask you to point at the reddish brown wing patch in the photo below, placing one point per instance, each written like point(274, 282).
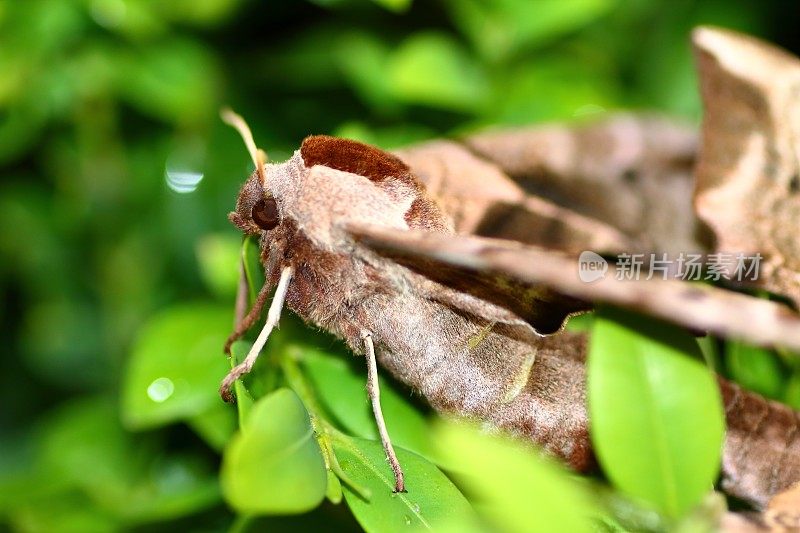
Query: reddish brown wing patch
point(355, 157)
point(376, 165)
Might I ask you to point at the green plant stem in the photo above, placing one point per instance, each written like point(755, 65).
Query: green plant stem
point(240, 524)
point(323, 429)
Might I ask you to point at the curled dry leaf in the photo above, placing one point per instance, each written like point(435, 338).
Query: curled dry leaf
point(748, 176)
point(482, 200)
point(632, 172)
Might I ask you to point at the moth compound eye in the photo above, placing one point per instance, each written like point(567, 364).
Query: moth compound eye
point(265, 214)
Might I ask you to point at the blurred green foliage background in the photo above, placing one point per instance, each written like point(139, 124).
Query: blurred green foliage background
point(117, 176)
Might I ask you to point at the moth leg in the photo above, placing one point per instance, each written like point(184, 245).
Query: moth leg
point(375, 398)
point(252, 316)
point(273, 315)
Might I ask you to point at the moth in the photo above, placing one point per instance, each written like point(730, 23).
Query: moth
point(355, 244)
point(464, 352)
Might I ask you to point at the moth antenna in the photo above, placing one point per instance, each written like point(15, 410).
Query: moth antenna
point(258, 155)
point(273, 315)
point(375, 398)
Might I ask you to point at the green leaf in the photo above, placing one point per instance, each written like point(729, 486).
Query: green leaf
point(218, 256)
point(362, 58)
point(756, 369)
point(251, 254)
point(398, 6)
point(573, 90)
point(666, 73)
point(176, 366)
point(127, 478)
point(244, 401)
point(69, 513)
point(431, 501)
point(82, 435)
point(342, 390)
point(215, 426)
point(386, 138)
point(518, 489)
point(433, 69)
point(657, 417)
point(498, 28)
point(792, 394)
point(334, 489)
point(175, 80)
point(168, 487)
point(579, 323)
point(199, 12)
point(274, 464)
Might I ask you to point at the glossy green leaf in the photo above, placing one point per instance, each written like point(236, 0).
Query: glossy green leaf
point(343, 392)
point(431, 501)
point(757, 369)
point(657, 418)
point(433, 69)
point(274, 464)
point(514, 488)
point(176, 366)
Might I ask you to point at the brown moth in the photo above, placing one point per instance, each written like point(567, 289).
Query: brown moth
point(631, 171)
point(762, 446)
point(356, 247)
point(748, 178)
point(471, 353)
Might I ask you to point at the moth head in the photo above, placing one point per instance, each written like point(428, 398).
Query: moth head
point(256, 209)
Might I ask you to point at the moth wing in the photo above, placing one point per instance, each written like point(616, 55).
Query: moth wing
point(485, 293)
point(748, 174)
point(536, 283)
point(483, 200)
